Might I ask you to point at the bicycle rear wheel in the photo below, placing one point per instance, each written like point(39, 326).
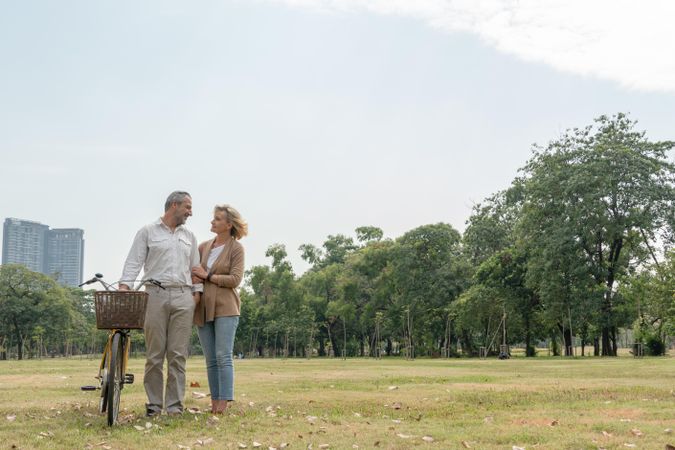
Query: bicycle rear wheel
point(115, 377)
point(103, 376)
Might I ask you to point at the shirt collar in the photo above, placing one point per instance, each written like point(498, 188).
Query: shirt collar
point(161, 223)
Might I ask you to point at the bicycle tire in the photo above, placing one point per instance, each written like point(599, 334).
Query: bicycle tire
point(103, 374)
point(115, 377)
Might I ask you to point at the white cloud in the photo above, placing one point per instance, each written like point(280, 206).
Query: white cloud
point(626, 41)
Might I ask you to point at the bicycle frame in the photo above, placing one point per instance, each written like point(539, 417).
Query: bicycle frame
point(107, 349)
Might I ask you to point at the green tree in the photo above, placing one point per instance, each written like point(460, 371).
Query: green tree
point(652, 294)
point(32, 304)
point(604, 191)
point(427, 273)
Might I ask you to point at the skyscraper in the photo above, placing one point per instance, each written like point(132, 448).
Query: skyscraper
point(24, 242)
point(58, 252)
point(65, 253)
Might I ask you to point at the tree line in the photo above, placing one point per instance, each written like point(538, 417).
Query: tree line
point(579, 246)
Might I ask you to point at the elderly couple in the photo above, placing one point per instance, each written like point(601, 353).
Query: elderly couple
point(198, 285)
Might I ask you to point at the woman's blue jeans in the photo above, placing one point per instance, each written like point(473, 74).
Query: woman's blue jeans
point(217, 339)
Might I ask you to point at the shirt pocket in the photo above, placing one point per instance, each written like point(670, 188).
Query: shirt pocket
point(184, 250)
point(158, 242)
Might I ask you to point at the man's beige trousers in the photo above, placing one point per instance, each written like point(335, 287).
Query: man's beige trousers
point(168, 327)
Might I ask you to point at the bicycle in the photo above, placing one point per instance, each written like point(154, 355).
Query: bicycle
point(120, 312)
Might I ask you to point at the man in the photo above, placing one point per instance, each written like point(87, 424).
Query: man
point(166, 251)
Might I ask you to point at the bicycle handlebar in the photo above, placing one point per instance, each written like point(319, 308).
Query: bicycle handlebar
point(98, 278)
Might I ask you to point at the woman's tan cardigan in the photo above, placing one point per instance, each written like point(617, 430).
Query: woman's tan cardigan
point(220, 297)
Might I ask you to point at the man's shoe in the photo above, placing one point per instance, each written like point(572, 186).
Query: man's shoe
point(152, 412)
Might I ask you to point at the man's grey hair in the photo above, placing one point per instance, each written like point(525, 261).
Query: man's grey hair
point(175, 197)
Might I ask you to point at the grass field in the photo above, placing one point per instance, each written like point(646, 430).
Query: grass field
point(545, 403)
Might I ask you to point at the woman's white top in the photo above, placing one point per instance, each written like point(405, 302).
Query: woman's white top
point(213, 255)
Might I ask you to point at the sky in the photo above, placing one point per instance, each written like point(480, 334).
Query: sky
point(311, 117)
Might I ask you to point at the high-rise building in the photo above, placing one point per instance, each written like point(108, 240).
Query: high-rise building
point(58, 252)
point(25, 242)
point(65, 254)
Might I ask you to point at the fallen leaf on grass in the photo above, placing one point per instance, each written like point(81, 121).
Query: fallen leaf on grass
point(11, 418)
point(324, 446)
point(195, 384)
point(357, 414)
point(376, 444)
point(396, 420)
point(241, 445)
point(606, 434)
point(195, 410)
point(251, 404)
point(630, 445)
point(489, 419)
point(256, 444)
point(212, 421)
point(668, 431)
point(465, 444)
point(393, 388)
point(196, 394)
point(46, 434)
point(283, 445)
point(396, 405)
point(517, 448)
point(403, 436)
point(148, 425)
point(139, 428)
point(205, 441)
point(636, 432)
point(128, 418)
point(553, 423)
point(427, 439)
point(183, 447)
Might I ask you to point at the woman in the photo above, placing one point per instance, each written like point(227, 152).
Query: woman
point(217, 313)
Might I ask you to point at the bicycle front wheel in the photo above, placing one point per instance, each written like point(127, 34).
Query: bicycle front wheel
point(115, 377)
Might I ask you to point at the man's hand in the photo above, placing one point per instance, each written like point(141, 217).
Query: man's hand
point(123, 287)
point(199, 271)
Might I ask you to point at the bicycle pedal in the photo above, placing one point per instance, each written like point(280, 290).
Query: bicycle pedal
point(128, 378)
point(89, 388)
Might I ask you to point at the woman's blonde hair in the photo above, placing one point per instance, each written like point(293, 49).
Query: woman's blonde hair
point(239, 226)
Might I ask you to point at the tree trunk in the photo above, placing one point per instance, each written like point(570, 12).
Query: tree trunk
point(606, 342)
point(529, 349)
point(389, 347)
point(19, 346)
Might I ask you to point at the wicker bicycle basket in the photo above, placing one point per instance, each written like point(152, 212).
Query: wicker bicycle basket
point(120, 309)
